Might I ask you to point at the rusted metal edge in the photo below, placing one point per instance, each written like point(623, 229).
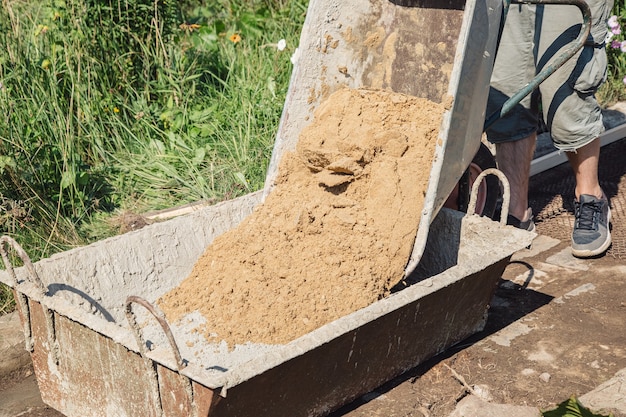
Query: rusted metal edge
point(161, 391)
point(27, 290)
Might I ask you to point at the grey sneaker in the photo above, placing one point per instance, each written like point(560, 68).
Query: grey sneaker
point(591, 235)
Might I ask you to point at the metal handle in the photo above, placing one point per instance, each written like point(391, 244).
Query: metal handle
point(506, 193)
point(573, 47)
point(160, 317)
point(21, 253)
point(22, 300)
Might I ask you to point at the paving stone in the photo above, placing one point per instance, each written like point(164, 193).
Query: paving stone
point(472, 406)
point(609, 396)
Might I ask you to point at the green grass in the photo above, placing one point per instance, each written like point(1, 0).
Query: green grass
point(109, 109)
point(7, 303)
point(88, 132)
point(572, 408)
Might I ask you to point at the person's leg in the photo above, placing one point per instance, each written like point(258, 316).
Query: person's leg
point(591, 235)
point(575, 119)
point(584, 163)
point(514, 134)
point(513, 159)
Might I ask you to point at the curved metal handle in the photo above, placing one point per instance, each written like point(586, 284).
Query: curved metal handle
point(573, 47)
point(22, 300)
point(160, 317)
point(21, 253)
point(506, 192)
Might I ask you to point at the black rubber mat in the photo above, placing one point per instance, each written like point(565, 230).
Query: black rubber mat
point(551, 195)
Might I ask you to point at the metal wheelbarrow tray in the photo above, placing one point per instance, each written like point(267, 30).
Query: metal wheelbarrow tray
point(442, 50)
point(88, 362)
point(81, 309)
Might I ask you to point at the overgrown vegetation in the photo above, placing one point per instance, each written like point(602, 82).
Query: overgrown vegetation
point(614, 89)
point(7, 303)
point(134, 105)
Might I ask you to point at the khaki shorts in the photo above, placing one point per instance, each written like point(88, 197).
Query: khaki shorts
point(532, 37)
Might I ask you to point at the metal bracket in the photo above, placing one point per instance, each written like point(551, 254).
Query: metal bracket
point(506, 192)
point(22, 299)
point(160, 317)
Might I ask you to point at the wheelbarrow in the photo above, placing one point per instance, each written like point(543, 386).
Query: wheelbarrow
point(428, 59)
point(99, 345)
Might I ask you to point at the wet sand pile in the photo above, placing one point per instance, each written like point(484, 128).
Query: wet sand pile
point(335, 233)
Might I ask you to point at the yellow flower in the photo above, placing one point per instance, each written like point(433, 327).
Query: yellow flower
point(235, 38)
point(41, 29)
point(189, 27)
point(116, 110)
point(45, 64)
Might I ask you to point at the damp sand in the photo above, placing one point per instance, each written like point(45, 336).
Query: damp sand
point(335, 233)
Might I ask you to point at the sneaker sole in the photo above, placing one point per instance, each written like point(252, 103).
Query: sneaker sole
point(588, 253)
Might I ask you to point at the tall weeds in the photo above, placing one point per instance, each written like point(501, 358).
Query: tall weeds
point(136, 105)
point(133, 105)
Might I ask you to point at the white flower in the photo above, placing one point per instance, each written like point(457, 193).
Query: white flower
point(624, 80)
point(612, 22)
point(623, 46)
point(281, 45)
point(608, 37)
point(295, 56)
